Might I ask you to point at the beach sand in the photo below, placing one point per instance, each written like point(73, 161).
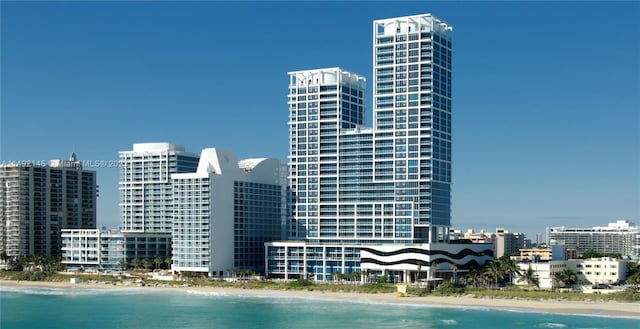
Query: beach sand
point(613, 309)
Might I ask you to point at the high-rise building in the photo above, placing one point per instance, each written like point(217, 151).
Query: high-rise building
point(38, 200)
point(621, 237)
point(390, 184)
point(224, 213)
point(146, 196)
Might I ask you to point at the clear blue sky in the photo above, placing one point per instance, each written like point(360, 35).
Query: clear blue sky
point(546, 95)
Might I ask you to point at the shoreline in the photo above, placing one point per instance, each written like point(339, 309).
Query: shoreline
point(606, 309)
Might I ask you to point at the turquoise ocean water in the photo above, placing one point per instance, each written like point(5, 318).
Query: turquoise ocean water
point(138, 308)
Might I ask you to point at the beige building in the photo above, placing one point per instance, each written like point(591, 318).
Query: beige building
point(38, 200)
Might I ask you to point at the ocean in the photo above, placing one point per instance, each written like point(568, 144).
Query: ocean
point(147, 308)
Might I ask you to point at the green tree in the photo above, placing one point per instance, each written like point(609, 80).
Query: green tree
point(590, 253)
point(38, 261)
point(158, 261)
point(530, 277)
point(494, 272)
point(136, 263)
point(147, 263)
point(509, 267)
point(565, 278)
point(123, 264)
point(168, 262)
point(454, 269)
point(634, 279)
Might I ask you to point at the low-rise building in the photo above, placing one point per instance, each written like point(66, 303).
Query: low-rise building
point(594, 271)
point(93, 249)
point(400, 263)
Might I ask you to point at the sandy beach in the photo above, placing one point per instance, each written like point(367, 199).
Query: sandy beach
point(613, 309)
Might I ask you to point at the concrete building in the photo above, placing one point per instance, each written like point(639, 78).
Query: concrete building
point(508, 244)
point(92, 249)
point(621, 237)
point(38, 200)
point(225, 211)
point(592, 272)
point(354, 186)
point(146, 196)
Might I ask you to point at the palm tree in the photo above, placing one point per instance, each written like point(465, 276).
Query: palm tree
point(530, 277)
point(509, 267)
point(567, 277)
point(123, 264)
point(419, 270)
point(494, 272)
point(147, 263)
point(168, 262)
point(454, 269)
point(38, 261)
point(136, 263)
point(158, 261)
point(434, 267)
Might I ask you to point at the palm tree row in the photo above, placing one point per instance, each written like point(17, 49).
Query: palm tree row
point(493, 273)
point(565, 278)
point(34, 262)
point(147, 263)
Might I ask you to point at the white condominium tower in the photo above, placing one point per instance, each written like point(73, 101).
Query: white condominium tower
point(389, 184)
point(412, 119)
point(224, 213)
point(145, 185)
point(146, 196)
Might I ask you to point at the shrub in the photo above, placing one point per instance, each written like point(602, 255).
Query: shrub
point(301, 283)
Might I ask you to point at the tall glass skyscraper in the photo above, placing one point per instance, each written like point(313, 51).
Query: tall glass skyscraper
point(360, 191)
point(389, 184)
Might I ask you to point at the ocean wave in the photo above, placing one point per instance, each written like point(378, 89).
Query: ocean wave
point(552, 325)
point(449, 322)
point(67, 291)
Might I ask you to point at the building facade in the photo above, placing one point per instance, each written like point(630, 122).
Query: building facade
point(354, 186)
point(146, 196)
point(93, 249)
point(593, 271)
point(225, 212)
point(621, 237)
point(37, 201)
point(508, 244)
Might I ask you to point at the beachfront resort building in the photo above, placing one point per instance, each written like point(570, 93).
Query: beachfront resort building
point(225, 211)
point(38, 200)
point(357, 190)
point(621, 237)
point(146, 196)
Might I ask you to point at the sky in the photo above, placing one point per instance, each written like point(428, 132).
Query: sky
point(546, 95)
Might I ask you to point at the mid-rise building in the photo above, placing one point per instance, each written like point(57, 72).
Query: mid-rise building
point(621, 237)
point(93, 249)
point(355, 186)
point(146, 196)
point(225, 211)
point(38, 200)
point(507, 243)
